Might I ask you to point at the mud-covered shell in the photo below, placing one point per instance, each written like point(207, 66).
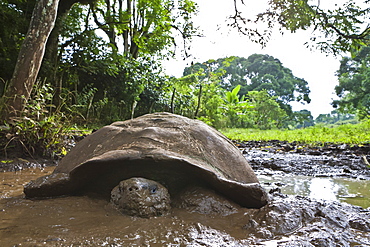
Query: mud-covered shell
point(165, 147)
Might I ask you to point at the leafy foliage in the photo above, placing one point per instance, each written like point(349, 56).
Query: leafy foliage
point(143, 27)
point(41, 129)
point(256, 73)
point(303, 118)
point(106, 95)
point(265, 112)
point(18, 13)
point(335, 29)
point(354, 84)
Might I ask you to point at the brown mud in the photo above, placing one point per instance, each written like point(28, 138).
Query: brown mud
point(287, 220)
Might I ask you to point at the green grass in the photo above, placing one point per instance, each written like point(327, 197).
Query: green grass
point(348, 133)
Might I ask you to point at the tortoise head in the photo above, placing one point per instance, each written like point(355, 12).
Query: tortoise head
point(141, 197)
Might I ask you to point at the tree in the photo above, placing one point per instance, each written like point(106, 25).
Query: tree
point(143, 26)
point(18, 13)
point(336, 117)
point(256, 73)
point(51, 61)
point(303, 118)
point(147, 25)
point(236, 108)
point(122, 90)
point(29, 58)
point(354, 84)
point(339, 28)
point(265, 112)
point(211, 110)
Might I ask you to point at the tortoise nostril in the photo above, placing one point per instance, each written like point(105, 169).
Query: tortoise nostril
point(133, 188)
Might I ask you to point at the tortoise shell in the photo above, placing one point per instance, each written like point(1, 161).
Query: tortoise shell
point(168, 148)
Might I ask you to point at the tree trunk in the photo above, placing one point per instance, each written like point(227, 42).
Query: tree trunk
point(173, 100)
point(50, 63)
point(29, 58)
point(199, 100)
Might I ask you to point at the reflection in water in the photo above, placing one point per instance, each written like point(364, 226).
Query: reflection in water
point(323, 188)
point(353, 191)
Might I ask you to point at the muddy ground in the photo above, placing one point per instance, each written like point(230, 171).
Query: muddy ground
point(287, 220)
point(322, 161)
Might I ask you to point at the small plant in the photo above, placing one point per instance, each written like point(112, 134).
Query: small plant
point(41, 129)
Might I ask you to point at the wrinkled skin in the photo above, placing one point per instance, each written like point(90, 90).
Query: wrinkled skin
point(141, 197)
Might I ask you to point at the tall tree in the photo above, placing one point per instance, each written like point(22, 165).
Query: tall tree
point(256, 73)
point(51, 61)
point(29, 58)
point(265, 112)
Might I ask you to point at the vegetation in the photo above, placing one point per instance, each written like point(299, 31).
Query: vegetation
point(336, 27)
point(354, 84)
point(41, 129)
point(98, 61)
point(319, 134)
point(257, 90)
point(143, 29)
point(336, 118)
point(255, 73)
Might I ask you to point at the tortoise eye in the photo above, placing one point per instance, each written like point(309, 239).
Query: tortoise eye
point(153, 189)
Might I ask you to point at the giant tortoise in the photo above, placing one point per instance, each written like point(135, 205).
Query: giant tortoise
point(147, 152)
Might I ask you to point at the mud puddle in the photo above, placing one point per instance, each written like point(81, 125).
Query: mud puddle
point(353, 191)
point(334, 173)
point(83, 221)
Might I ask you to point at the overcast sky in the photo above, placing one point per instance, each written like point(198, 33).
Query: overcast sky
point(316, 68)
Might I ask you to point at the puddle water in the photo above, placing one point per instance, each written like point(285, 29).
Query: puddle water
point(83, 221)
point(11, 183)
point(353, 191)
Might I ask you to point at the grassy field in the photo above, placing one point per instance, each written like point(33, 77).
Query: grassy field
point(348, 133)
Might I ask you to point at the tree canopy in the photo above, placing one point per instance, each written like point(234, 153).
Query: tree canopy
point(256, 73)
point(129, 30)
point(341, 27)
point(354, 84)
point(105, 55)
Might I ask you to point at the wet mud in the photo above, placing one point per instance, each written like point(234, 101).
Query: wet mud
point(291, 158)
point(287, 220)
